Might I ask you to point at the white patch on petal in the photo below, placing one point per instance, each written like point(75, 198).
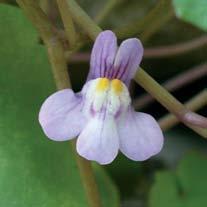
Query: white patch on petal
point(106, 95)
point(113, 102)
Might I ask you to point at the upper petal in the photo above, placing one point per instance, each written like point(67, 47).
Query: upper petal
point(127, 60)
point(103, 54)
point(99, 140)
point(140, 136)
point(60, 115)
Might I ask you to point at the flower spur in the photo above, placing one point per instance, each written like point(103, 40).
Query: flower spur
point(101, 114)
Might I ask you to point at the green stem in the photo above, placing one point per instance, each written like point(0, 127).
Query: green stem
point(81, 18)
point(68, 22)
point(197, 102)
point(44, 5)
point(150, 24)
point(142, 24)
point(174, 83)
point(170, 102)
point(157, 23)
point(59, 67)
point(105, 11)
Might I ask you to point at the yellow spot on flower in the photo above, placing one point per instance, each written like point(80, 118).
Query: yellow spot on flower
point(102, 85)
point(117, 86)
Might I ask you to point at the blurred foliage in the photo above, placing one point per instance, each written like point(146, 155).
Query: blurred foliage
point(125, 173)
point(134, 10)
point(186, 187)
point(33, 170)
point(193, 11)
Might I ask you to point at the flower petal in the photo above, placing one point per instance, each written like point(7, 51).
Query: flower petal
point(103, 54)
point(61, 117)
point(127, 60)
point(99, 140)
point(140, 136)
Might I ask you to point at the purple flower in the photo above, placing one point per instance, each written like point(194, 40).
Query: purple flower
point(101, 114)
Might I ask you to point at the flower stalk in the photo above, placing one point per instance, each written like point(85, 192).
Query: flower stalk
point(105, 11)
point(190, 119)
point(158, 22)
point(174, 83)
point(154, 15)
point(59, 67)
point(194, 104)
point(82, 19)
point(68, 23)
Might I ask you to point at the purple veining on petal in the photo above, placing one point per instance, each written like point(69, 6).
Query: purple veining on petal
point(92, 110)
point(103, 54)
point(127, 59)
point(109, 71)
point(106, 61)
point(99, 61)
point(127, 76)
point(140, 136)
point(121, 73)
point(119, 112)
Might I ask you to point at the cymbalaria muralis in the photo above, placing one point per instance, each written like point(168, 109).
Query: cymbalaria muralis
point(101, 114)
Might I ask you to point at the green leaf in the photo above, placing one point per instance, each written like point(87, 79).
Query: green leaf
point(126, 174)
point(164, 192)
point(184, 188)
point(34, 171)
point(193, 11)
